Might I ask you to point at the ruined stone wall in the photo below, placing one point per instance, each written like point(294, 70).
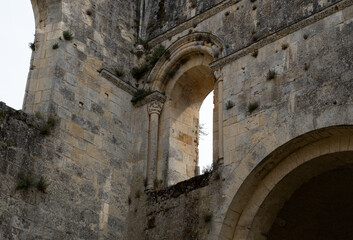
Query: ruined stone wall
point(95, 157)
point(310, 89)
point(91, 148)
point(239, 23)
point(164, 15)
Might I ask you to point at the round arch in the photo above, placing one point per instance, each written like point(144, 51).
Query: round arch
point(195, 44)
point(265, 191)
point(183, 73)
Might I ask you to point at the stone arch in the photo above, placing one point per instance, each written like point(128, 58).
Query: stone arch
point(46, 12)
point(184, 74)
point(47, 16)
point(265, 191)
point(195, 43)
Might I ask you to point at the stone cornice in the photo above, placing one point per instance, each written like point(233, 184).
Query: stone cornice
point(118, 82)
point(280, 34)
point(155, 96)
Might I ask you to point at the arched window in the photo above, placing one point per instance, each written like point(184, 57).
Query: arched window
point(187, 79)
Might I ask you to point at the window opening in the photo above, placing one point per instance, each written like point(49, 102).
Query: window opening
point(206, 134)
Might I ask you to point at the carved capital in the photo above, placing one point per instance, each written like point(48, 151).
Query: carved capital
point(155, 107)
point(218, 75)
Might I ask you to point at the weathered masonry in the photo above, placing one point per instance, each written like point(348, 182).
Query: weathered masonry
point(110, 120)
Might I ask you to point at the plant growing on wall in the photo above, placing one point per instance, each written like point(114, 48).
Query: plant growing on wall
point(55, 46)
point(119, 72)
point(139, 95)
point(24, 181)
point(271, 74)
point(32, 46)
point(42, 185)
point(253, 106)
point(27, 180)
point(45, 129)
point(68, 36)
point(229, 104)
point(207, 217)
point(151, 59)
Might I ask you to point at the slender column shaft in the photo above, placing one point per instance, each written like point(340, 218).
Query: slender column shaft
point(220, 120)
point(154, 110)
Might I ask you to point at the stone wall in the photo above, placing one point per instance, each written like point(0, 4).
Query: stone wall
point(240, 23)
point(77, 85)
point(182, 211)
point(96, 155)
point(309, 91)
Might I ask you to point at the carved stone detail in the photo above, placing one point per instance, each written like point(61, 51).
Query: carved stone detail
point(155, 107)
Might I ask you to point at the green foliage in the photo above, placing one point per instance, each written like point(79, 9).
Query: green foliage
point(55, 46)
point(138, 194)
point(46, 129)
point(139, 71)
point(253, 106)
point(119, 72)
point(42, 185)
point(151, 59)
point(139, 95)
point(155, 56)
point(32, 46)
point(229, 104)
point(68, 36)
point(271, 74)
point(51, 122)
point(24, 181)
point(207, 217)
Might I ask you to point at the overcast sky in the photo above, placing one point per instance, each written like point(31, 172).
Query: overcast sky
point(17, 25)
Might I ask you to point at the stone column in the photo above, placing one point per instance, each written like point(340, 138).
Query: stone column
point(154, 110)
point(219, 82)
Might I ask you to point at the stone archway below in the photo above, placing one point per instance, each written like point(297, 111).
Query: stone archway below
point(258, 202)
point(320, 209)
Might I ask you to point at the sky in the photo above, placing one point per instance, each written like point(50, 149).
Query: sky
point(18, 28)
point(17, 25)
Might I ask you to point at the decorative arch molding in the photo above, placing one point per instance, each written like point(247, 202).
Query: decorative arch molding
point(199, 43)
point(255, 206)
